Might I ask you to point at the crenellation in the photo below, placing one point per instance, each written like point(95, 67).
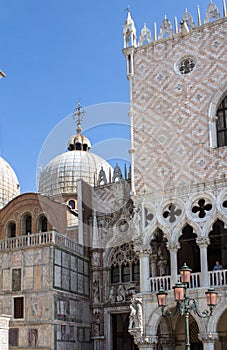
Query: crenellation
point(187, 27)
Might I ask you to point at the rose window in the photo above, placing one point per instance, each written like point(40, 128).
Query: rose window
point(186, 65)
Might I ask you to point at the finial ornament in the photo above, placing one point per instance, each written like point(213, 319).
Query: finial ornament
point(128, 9)
point(211, 13)
point(78, 114)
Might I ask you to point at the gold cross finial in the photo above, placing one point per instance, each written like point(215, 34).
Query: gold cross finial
point(78, 114)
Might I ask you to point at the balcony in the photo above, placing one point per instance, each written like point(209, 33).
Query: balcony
point(41, 239)
point(216, 279)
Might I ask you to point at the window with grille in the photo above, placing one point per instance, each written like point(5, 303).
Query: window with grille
point(222, 123)
point(18, 305)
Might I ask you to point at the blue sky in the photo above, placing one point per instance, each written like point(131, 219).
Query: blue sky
point(56, 51)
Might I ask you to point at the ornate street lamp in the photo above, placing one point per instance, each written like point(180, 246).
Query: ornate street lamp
point(186, 305)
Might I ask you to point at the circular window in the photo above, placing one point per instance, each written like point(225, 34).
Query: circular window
point(186, 65)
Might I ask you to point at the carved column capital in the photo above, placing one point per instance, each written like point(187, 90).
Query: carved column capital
point(203, 241)
point(141, 249)
point(208, 337)
point(173, 246)
point(144, 341)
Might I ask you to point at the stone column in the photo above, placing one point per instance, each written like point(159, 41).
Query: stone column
point(208, 340)
point(145, 271)
point(173, 248)
point(4, 332)
point(203, 242)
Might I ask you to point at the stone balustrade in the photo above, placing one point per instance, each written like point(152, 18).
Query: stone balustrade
point(41, 239)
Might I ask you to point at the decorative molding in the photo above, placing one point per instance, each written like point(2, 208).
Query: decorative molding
point(208, 337)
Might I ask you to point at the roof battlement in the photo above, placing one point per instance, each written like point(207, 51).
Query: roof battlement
point(167, 30)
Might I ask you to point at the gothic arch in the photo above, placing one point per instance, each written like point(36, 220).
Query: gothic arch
point(150, 234)
point(213, 106)
point(154, 320)
point(177, 232)
point(209, 225)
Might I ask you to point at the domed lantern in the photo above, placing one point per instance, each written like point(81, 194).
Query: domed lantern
point(185, 274)
point(179, 289)
point(211, 296)
point(162, 297)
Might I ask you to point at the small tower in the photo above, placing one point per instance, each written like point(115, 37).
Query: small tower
point(129, 34)
point(129, 31)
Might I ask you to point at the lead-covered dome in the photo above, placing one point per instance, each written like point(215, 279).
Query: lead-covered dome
point(9, 185)
point(61, 173)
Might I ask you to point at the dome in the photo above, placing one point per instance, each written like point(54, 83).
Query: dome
point(9, 185)
point(62, 172)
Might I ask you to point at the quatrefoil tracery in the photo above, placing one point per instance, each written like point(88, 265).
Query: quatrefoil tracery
point(172, 213)
point(202, 208)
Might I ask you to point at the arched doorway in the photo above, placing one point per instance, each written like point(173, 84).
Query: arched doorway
point(122, 339)
point(171, 333)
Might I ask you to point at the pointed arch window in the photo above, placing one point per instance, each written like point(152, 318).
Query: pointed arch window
point(124, 265)
point(221, 123)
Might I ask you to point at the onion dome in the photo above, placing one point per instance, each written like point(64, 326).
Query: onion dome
point(9, 184)
point(61, 173)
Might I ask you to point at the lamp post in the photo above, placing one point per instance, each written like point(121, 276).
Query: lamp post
point(184, 304)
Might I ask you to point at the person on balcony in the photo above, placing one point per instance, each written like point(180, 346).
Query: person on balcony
point(217, 266)
point(218, 278)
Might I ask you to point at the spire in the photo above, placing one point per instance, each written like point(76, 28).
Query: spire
point(78, 114)
point(129, 18)
point(224, 9)
point(199, 16)
point(129, 31)
point(211, 13)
